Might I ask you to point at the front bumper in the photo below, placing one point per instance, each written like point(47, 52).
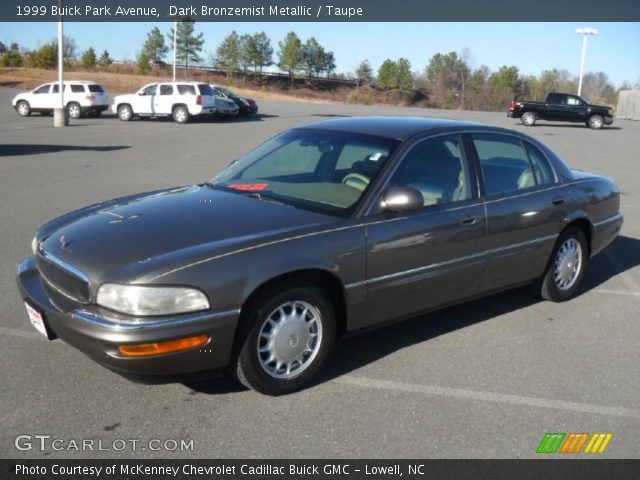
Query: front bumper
point(95, 332)
point(608, 120)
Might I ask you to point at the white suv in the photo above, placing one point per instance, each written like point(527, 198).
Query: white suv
point(180, 100)
point(80, 98)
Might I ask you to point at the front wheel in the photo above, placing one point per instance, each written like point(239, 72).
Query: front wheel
point(23, 108)
point(566, 267)
point(180, 115)
point(596, 122)
point(528, 119)
point(75, 111)
point(286, 337)
point(125, 113)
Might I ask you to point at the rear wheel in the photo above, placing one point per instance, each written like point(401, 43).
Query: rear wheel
point(125, 113)
point(596, 122)
point(566, 267)
point(74, 109)
point(23, 108)
point(180, 115)
point(528, 119)
point(286, 337)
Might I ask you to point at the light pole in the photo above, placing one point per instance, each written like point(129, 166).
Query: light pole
point(175, 44)
point(585, 32)
point(60, 116)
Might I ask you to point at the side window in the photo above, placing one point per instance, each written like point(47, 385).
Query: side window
point(150, 90)
point(77, 88)
point(166, 89)
point(541, 168)
point(571, 100)
point(43, 89)
point(56, 88)
point(555, 98)
point(437, 169)
point(186, 89)
point(505, 164)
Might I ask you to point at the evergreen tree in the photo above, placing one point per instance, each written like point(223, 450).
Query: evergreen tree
point(105, 60)
point(364, 73)
point(189, 45)
point(11, 57)
point(405, 77)
point(388, 75)
point(89, 59)
point(228, 53)
point(154, 47)
point(290, 55)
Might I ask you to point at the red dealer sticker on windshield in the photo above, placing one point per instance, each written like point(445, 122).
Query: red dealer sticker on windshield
point(252, 187)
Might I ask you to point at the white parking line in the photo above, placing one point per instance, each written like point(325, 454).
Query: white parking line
point(488, 396)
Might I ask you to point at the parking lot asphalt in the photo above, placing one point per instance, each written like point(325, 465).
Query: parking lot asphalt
point(484, 379)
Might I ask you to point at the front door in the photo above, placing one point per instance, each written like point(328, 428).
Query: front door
point(430, 257)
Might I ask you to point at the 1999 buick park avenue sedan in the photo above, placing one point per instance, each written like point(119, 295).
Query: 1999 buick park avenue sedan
point(323, 230)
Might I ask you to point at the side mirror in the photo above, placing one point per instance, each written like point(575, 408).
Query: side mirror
point(402, 199)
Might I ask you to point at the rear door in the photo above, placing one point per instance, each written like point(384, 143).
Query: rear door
point(423, 259)
point(555, 107)
point(524, 205)
point(164, 99)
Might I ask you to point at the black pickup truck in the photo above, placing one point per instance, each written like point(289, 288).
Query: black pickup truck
point(561, 107)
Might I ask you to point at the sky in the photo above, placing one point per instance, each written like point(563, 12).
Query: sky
point(532, 47)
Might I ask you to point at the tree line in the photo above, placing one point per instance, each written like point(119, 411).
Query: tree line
point(448, 80)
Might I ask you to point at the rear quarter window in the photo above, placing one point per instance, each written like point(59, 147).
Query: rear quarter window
point(96, 89)
point(77, 88)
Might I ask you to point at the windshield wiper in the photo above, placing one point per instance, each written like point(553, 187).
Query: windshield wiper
point(266, 198)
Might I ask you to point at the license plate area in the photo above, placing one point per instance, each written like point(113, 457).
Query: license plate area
point(38, 321)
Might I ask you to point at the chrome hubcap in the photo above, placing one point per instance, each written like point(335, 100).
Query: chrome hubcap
point(568, 264)
point(181, 115)
point(596, 122)
point(125, 113)
point(74, 111)
point(289, 339)
point(528, 118)
point(22, 108)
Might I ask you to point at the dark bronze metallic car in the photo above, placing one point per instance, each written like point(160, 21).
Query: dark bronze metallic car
point(326, 229)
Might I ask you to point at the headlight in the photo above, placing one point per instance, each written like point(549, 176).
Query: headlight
point(34, 245)
point(138, 300)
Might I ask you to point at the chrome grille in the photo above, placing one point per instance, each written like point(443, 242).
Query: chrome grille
point(64, 281)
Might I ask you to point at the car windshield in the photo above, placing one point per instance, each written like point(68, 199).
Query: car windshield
point(318, 170)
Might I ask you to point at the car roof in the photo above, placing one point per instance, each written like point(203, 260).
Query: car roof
point(399, 128)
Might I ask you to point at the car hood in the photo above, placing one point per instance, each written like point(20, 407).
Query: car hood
point(137, 237)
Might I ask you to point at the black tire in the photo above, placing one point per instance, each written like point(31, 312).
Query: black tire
point(23, 108)
point(528, 119)
point(253, 369)
point(180, 114)
point(75, 110)
point(596, 122)
point(125, 112)
point(549, 286)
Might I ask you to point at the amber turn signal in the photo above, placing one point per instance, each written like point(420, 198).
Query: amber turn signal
point(158, 348)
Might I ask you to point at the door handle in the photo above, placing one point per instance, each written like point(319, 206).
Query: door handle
point(558, 200)
point(470, 220)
